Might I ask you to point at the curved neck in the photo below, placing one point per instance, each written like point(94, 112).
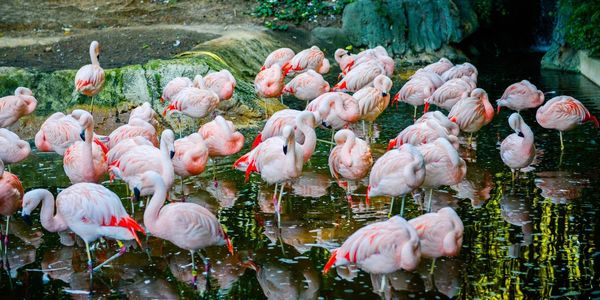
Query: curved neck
point(88, 149)
point(1, 168)
point(223, 124)
point(527, 134)
point(310, 137)
point(167, 164)
point(340, 110)
point(154, 206)
point(290, 156)
point(93, 56)
point(347, 148)
point(487, 106)
point(49, 220)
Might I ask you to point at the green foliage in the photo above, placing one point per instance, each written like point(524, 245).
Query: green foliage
point(279, 14)
point(583, 26)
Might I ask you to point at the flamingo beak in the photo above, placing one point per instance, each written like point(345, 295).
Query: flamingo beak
point(172, 154)
point(396, 98)
point(384, 94)
point(136, 194)
point(392, 144)
point(82, 135)
point(285, 149)
point(498, 109)
point(426, 109)
point(27, 219)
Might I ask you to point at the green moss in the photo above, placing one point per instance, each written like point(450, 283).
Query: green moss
point(582, 29)
point(279, 14)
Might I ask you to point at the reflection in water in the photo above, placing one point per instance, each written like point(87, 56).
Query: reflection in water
point(516, 211)
point(311, 184)
point(560, 186)
point(225, 191)
point(57, 263)
point(476, 186)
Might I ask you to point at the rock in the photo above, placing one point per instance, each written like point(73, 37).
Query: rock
point(329, 38)
point(560, 56)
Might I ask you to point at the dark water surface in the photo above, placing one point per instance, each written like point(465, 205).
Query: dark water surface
point(534, 238)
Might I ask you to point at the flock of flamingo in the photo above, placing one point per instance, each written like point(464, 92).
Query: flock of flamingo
point(423, 155)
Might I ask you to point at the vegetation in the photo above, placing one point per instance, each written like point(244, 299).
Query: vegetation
point(279, 14)
point(582, 28)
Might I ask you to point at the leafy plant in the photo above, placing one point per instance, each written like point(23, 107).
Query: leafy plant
point(279, 14)
point(583, 26)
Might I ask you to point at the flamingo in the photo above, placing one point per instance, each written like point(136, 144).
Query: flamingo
point(458, 71)
point(193, 102)
point(173, 88)
point(12, 148)
point(440, 233)
point(303, 122)
point(427, 75)
point(563, 113)
point(517, 150)
point(351, 158)
point(187, 225)
point(415, 91)
point(135, 127)
point(377, 54)
point(221, 138)
point(360, 76)
point(307, 86)
point(115, 153)
point(14, 107)
point(451, 127)
point(397, 173)
point(89, 79)
point(443, 165)
point(337, 110)
point(440, 66)
point(85, 161)
point(280, 57)
point(269, 83)
point(191, 155)
point(222, 83)
point(372, 101)
point(344, 59)
point(11, 195)
point(308, 59)
point(380, 248)
point(89, 210)
point(422, 133)
point(450, 92)
point(58, 133)
point(473, 112)
point(521, 95)
point(144, 112)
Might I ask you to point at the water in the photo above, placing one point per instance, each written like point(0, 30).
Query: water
point(534, 238)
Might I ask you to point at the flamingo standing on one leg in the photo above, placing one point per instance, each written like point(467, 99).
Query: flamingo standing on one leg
point(280, 57)
point(173, 87)
point(307, 86)
point(451, 92)
point(222, 139)
point(144, 112)
point(521, 95)
point(397, 173)
point(517, 150)
point(458, 71)
point(423, 133)
point(11, 195)
point(563, 113)
point(279, 120)
point(193, 102)
point(350, 159)
point(91, 211)
point(12, 148)
point(85, 161)
point(187, 225)
point(222, 83)
point(14, 107)
point(414, 92)
point(135, 127)
point(337, 110)
point(308, 59)
point(269, 83)
point(473, 112)
point(89, 79)
point(372, 101)
point(191, 155)
point(359, 77)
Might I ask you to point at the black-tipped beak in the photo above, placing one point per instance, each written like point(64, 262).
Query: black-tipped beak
point(521, 134)
point(347, 52)
point(27, 219)
point(98, 56)
point(384, 94)
point(324, 124)
point(82, 135)
point(136, 194)
point(284, 149)
point(172, 154)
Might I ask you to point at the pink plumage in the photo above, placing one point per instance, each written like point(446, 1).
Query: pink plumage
point(14, 107)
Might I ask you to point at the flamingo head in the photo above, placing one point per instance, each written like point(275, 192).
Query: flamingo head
point(169, 108)
point(31, 200)
point(396, 98)
point(392, 144)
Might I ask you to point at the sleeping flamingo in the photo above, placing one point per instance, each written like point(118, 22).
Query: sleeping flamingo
point(307, 86)
point(144, 112)
point(378, 54)
point(89, 79)
point(521, 95)
point(380, 248)
point(415, 91)
point(193, 102)
point(115, 153)
point(280, 57)
point(57, 133)
point(308, 59)
point(12, 148)
point(359, 77)
point(451, 92)
point(173, 88)
point(221, 139)
point(517, 150)
point(89, 210)
point(135, 127)
point(222, 83)
point(563, 113)
point(337, 110)
point(422, 133)
point(350, 159)
point(458, 71)
point(427, 75)
point(372, 101)
point(14, 107)
point(11, 193)
point(191, 155)
point(269, 83)
point(397, 173)
point(438, 116)
point(85, 161)
point(473, 112)
point(440, 233)
point(440, 66)
point(187, 225)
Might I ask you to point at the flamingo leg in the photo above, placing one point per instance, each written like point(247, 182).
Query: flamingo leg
point(206, 269)
point(279, 206)
point(194, 272)
point(89, 263)
point(391, 208)
point(402, 206)
point(119, 253)
point(432, 266)
point(382, 287)
point(562, 146)
point(415, 114)
point(331, 142)
point(370, 133)
point(281, 98)
point(6, 236)
point(214, 171)
point(429, 204)
point(363, 128)
point(92, 109)
point(348, 196)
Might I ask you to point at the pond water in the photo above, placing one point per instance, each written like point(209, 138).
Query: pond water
point(534, 238)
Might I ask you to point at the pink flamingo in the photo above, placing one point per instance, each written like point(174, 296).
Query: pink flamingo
point(415, 91)
point(89, 79)
point(308, 59)
point(440, 233)
point(473, 112)
point(85, 161)
point(303, 123)
point(344, 59)
point(397, 173)
point(173, 88)
point(451, 127)
point(350, 159)
point(427, 75)
point(440, 66)
point(89, 210)
point(377, 54)
point(307, 86)
point(12, 148)
point(135, 127)
point(521, 95)
point(115, 153)
point(191, 155)
point(337, 110)
point(193, 102)
point(144, 112)
point(57, 133)
point(423, 133)
point(450, 92)
point(221, 138)
point(380, 248)
point(222, 83)
point(269, 82)
point(14, 107)
point(372, 101)
point(187, 225)
point(517, 150)
point(458, 71)
point(443, 165)
point(280, 57)
point(359, 77)
point(563, 113)
point(144, 158)
point(11, 193)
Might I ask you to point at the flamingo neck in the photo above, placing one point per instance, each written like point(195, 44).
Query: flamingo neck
point(87, 156)
point(488, 108)
point(49, 220)
point(167, 164)
point(93, 56)
point(152, 212)
point(1, 168)
point(310, 138)
point(527, 134)
point(347, 148)
point(223, 125)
